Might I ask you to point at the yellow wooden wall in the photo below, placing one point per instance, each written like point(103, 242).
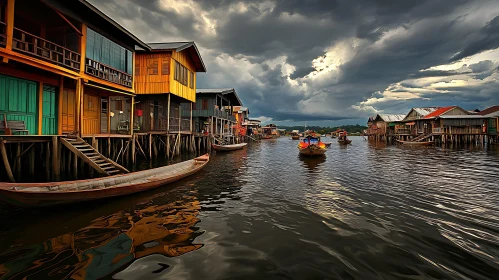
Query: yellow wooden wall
point(176, 87)
point(146, 83)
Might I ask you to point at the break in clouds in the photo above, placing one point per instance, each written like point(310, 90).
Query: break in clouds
point(332, 62)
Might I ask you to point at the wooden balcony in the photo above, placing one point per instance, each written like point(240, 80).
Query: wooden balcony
point(180, 125)
point(35, 46)
point(107, 73)
point(3, 36)
point(211, 113)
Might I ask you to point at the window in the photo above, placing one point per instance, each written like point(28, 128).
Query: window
point(191, 79)
point(152, 66)
point(181, 73)
point(205, 104)
point(165, 66)
point(103, 50)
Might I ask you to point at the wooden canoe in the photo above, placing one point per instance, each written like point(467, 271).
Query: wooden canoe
point(227, 148)
point(423, 143)
point(345, 141)
point(312, 150)
point(52, 193)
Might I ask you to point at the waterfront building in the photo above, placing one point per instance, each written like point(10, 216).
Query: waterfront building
point(213, 111)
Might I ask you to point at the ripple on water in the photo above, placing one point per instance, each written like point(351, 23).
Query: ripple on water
point(364, 211)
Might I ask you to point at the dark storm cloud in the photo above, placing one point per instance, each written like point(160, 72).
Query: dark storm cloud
point(427, 33)
point(488, 40)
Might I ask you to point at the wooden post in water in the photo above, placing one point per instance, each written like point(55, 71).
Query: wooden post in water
point(5, 160)
point(17, 163)
point(133, 148)
point(56, 168)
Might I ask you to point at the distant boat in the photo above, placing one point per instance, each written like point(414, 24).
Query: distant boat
point(311, 145)
point(227, 148)
point(295, 135)
point(68, 192)
point(344, 141)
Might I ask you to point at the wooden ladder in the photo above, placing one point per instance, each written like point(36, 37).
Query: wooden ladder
point(91, 156)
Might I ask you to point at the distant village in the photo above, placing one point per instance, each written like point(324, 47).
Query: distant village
point(450, 124)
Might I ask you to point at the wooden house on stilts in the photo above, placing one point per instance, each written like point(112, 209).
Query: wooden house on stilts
point(165, 84)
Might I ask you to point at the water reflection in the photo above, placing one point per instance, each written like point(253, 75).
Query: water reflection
point(311, 163)
point(365, 211)
point(110, 242)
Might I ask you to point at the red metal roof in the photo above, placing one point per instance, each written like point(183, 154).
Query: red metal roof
point(439, 112)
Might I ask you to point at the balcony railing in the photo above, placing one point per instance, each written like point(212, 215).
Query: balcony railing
point(437, 130)
point(213, 113)
point(177, 125)
point(105, 72)
point(3, 31)
point(40, 48)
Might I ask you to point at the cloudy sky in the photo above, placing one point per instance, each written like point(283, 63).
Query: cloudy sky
point(331, 62)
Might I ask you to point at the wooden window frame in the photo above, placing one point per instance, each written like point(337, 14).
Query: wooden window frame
point(165, 66)
point(152, 66)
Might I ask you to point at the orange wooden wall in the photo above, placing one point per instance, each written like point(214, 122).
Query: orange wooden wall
point(68, 110)
point(150, 76)
point(91, 108)
point(178, 88)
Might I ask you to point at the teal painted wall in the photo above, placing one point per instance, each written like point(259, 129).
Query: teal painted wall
point(18, 99)
point(103, 50)
point(49, 117)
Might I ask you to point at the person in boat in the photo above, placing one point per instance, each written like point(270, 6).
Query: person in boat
point(250, 131)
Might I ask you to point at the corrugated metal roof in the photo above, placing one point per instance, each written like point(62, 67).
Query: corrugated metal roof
point(489, 110)
point(391, 118)
point(461, 117)
point(213, 90)
point(423, 111)
point(170, 45)
point(492, 115)
point(439, 112)
point(224, 91)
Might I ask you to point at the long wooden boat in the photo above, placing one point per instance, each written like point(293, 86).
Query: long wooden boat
point(227, 148)
point(52, 193)
point(295, 137)
point(312, 150)
point(311, 145)
point(422, 143)
point(344, 141)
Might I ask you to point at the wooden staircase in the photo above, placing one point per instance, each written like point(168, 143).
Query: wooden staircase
point(91, 156)
point(422, 137)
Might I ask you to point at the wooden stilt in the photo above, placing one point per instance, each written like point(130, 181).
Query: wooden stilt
point(6, 163)
point(32, 160)
point(47, 161)
point(133, 148)
point(150, 146)
point(17, 163)
point(56, 168)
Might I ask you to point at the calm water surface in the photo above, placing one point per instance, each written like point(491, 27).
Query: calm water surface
point(362, 212)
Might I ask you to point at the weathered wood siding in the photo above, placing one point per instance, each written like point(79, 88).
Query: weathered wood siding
point(18, 100)
point(178, 88)
point(152, 73)
point(49, 110)
point(91, 108)
point(68, 110)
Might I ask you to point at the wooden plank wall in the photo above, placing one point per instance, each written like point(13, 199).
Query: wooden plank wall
point(176, 87)
point(150, 76)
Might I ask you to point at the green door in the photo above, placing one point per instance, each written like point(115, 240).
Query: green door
point(18, 101)
point(49, 117)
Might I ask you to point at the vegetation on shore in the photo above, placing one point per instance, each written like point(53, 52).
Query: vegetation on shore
point(351, 129)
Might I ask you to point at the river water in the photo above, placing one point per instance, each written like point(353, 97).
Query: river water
point(362, 212)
